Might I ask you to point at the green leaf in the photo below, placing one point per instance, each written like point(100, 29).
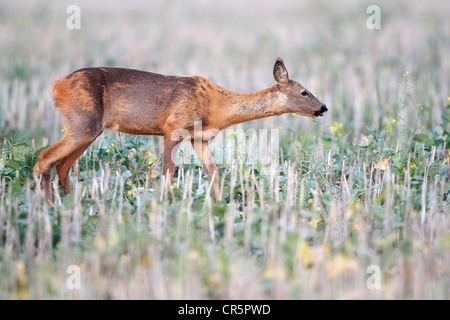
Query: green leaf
point(326, 200)
point(199, 192)
point(38, 153)
point(219, 209)
point(68, 200)
point(126, 174)
point(16, 187)
point(20, 150)
point(13, 164)
point(336, 157)
point(421, 137)
point(30, 159)
point(327, 143)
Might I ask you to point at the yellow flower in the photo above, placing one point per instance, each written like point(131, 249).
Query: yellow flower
point(232, 134)
point(332, 129)
point(448, 99)
point(62, 130)
point(108, 151)
point(149, 157)
point(413, 166)
point(406, 74)
point(113, 145)
point(1, 160)
point(336, 127)
point(394, 121)
point(318, 96)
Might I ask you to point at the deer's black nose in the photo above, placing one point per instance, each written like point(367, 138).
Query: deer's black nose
point(319, 113)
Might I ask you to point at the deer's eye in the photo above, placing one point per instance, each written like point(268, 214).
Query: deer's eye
point(305, 93)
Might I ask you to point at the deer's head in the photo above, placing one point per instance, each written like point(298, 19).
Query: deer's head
point(296, 98)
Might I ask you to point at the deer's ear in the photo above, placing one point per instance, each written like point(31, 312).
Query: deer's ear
point(280, 73)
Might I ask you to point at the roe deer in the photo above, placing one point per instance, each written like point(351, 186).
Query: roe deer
point(140, 102)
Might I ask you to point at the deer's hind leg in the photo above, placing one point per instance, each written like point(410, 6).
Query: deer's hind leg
point(64, 150)
point(63, 167)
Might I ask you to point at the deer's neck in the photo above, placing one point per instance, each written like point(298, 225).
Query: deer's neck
point(241, 107)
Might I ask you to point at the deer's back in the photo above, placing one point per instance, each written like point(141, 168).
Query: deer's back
point(131, 101)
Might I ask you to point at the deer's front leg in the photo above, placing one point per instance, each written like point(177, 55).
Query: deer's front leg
point(203, 152)
point(168, 162)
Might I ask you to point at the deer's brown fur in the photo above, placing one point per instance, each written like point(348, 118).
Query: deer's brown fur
point(139, 102)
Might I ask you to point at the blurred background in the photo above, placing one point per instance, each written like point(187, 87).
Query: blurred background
point(366, 77)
